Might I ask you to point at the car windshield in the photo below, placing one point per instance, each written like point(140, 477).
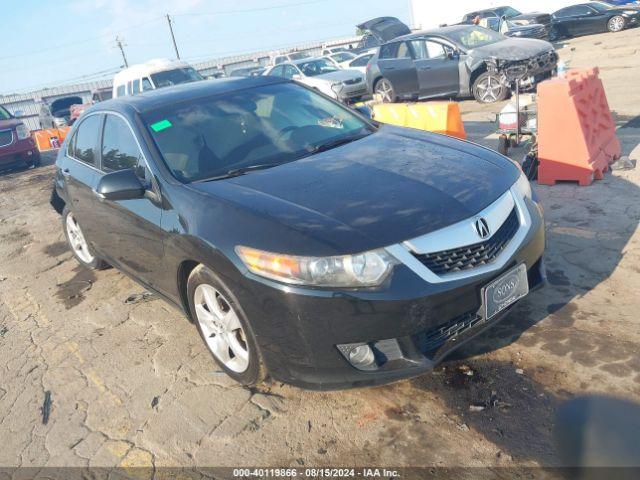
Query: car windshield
point(507, 12)
point(298, 56)
point(599, 6)
point(209, 139)
point(4, 114)
point(175, 77)
point(473, 37)
point(317, 67)
point(343, 56)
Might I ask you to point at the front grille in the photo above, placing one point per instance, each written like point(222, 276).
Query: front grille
point(472, 256)
point(356, 93)
point(431, 340)
point(6, 138)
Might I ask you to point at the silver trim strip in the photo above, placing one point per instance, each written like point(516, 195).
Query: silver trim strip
point(463, 233)
point(403, 254)
point(10, 141)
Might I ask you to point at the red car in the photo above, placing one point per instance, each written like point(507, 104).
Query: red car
point(16, 144)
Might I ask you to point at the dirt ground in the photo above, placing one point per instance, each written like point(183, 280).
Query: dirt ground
point(132, 384)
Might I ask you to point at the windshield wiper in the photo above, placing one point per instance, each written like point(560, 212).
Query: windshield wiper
point(236, 172)
point(323, 147)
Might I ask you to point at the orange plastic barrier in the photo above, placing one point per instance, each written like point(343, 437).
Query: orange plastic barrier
point(576, 133)
point(439, 117)
point(50, 138)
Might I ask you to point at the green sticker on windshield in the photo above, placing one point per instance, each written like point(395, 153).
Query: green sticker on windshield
point(161, 125)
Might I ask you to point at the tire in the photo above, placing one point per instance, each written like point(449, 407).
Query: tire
point(83, 253)
point(36, 161)
point(616, 24)
point(224, 327)
point(385, 89)
point(488, 88)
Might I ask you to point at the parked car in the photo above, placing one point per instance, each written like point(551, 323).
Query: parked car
point(57, 113)
point(153, 74)
point(592, 17)
point(509, 13)
point(304, 241)
point(513, 28)
point(360, 62)
point(378, 31)
point(456, 61)
point(248, 71)
point(340, 59)
point(344, 85)
point(288, 57)
point(16, 145)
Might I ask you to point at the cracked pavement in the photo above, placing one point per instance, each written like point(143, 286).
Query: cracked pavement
point(132, 384)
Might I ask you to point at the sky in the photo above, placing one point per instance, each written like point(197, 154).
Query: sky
point(72, 41)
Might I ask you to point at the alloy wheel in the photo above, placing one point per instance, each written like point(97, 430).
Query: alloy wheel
point(385, 90)
point(489, 89)
point(616, 24)
point(221, 328)
point(77, 240)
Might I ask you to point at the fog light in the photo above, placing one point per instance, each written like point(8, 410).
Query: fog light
point(360, 355)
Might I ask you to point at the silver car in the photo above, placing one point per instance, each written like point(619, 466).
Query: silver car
point(321, 74)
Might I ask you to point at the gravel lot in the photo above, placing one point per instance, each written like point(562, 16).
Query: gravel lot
point(132, 384)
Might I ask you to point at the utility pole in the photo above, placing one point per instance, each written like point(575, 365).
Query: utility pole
point(173, 38)
point(120, 45)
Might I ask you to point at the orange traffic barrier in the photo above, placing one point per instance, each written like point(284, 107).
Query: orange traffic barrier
point(438, 117)
point(50, 138)
point(576, 133)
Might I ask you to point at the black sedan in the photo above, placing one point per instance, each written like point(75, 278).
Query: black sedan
point(590, 18)
point(303, 240)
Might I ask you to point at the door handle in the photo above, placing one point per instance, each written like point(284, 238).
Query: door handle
point(66, 172)
point(424, 68)
point(390, 68)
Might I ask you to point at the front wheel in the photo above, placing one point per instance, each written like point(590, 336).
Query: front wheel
point(616, 24)
point(488, 88)
point(224, 327)
point(385, 90)
point(79, 245)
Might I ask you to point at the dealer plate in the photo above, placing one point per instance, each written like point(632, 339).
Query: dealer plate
point(505, 291)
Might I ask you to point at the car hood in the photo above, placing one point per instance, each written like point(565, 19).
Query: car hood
point(339, 75)
point(9, 124)
point(385, 28)
point(391, 186)
point(513, 49)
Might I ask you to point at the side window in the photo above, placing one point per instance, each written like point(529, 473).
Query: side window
point(85, 141)
point(388, 50)
point(119, 148)
point(146, 84)
point(420, 49)
point(120, 91)
point(584, 10)
point(130, 88)
point(136, 86)
point(289, 72)
point(435, 50)
point(277, 71)
point(403, 51)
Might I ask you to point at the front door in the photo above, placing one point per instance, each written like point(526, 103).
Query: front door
point(131, 234)
point(437, 69)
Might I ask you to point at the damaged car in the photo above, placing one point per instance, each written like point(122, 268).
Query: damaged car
point(458, 61)
point(304, 241)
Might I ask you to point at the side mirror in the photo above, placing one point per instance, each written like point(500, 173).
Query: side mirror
point(122, 185)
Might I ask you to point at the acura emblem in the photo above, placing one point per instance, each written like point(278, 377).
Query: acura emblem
point(482, 227)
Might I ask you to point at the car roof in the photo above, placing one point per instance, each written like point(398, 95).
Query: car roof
point(442, 31)
point(162, 97)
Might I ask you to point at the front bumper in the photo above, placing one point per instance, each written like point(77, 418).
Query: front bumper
point(19, 151)
point(298, 329)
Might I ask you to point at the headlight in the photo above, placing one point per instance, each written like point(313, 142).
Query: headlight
point(22, 131)
point(360, 270)
point(523, 186)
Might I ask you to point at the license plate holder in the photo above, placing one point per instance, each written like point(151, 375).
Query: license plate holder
point(505, 291)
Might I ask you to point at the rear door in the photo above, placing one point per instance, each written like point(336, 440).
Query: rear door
point(396, 65)
point(131, 234)
point(437, 68)
point(79, 169)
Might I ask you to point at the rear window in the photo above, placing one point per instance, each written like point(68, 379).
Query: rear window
point(175, 77)
point(273, 124)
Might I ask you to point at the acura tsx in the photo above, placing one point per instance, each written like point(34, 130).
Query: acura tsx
point(304, 240)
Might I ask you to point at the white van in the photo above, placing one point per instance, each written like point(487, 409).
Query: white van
point(151, 75)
